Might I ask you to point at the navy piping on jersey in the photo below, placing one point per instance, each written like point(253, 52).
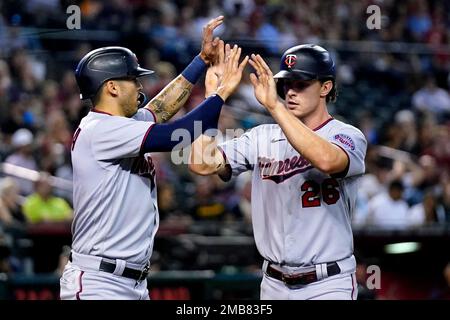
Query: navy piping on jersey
point(109, 114)
point(99, 111)
point(227, 175)
point(323, 124)
point(161, 139)
point(146, 135)
point(353, 287)
point(80, 283)
point(153, 113)
point(223, 154)
point(345, 171)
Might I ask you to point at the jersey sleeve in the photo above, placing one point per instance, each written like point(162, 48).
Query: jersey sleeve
point(240, 152)
point(144, 114)
point(119, 137)
point(354, 144)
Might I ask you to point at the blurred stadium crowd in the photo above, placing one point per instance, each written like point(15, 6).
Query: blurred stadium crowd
point(393, 83)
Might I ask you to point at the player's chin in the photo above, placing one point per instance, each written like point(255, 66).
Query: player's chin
point(293, 108)
point(296, 108)
point(132, 108)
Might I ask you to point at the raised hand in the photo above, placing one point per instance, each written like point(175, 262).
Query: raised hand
point(263, 83)
point(209, 46)
point(232, 73)
point(215, 71)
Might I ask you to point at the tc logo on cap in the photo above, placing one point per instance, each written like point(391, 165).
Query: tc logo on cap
point(290, 60)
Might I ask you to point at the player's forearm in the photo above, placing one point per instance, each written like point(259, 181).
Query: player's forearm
point(205, 158)
point(322, 154)
point(169, 101)
point(164, 137)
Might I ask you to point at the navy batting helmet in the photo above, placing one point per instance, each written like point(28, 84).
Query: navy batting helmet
point(103, 64)
point(305, 62)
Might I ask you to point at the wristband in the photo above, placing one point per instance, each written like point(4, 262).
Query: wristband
point(194, 70)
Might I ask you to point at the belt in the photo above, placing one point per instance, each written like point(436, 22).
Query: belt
point(300, 278)
point(109, 267)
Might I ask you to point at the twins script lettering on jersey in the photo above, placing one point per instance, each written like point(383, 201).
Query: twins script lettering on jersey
point(280, 170)
point(143, 166)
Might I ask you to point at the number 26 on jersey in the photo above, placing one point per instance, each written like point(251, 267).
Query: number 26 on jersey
point(315, 193)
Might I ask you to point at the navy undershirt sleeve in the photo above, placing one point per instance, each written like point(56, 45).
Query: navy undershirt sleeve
point(159, 137)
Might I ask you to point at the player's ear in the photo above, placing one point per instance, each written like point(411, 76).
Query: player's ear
point(112, 88)
point(326, 88)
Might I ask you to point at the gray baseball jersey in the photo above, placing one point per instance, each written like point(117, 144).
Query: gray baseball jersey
point(115, 203)
point(301, 216)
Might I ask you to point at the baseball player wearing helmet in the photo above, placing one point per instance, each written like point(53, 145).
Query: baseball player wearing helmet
point(115, 201)
point(305, 171)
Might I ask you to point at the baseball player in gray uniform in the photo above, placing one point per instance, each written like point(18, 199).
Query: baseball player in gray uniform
point(305, 171)
point(115, 201)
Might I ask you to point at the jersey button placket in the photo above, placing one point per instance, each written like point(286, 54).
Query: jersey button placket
point(289, 242)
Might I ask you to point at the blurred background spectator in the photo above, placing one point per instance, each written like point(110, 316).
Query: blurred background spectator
point(43, 206)
point(11, 214)
point(388, 209)
point(442, 291)
point(22, 156)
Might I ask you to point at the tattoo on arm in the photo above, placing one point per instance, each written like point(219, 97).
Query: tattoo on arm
point(167, 103)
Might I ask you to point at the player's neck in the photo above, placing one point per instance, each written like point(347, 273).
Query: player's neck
point(316, 118)
point(109, 107)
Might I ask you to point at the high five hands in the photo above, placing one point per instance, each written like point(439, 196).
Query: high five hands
point(263, 83)
point(221, 57)
point(209, 45)
point(215, 71)
point(226, 72)
point(262, 80)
